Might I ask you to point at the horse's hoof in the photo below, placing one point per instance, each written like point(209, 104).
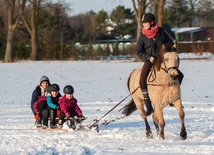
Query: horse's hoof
point(149, 135)
point(161, 137)
point(157, 132)
point(183, 135)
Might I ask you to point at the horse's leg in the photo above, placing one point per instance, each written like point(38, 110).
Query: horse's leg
point(155, 121)
point(140, 107)
point(161, 122)
point(148, 129)
point(179, 107)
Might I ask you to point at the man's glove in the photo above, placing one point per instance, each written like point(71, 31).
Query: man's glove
point(153, 59)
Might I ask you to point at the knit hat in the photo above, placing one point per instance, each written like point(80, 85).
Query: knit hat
point(148, 17)
point(44, 78)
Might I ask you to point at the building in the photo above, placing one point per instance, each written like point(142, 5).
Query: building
point(192, 34)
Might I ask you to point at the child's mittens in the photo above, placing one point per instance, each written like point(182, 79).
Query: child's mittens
point(36, 116)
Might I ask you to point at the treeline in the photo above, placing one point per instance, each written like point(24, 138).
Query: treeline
point(40, 30)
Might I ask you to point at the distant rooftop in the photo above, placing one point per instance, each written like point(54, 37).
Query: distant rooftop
point(186, 29)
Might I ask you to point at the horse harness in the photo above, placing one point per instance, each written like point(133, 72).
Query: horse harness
point(166, 70)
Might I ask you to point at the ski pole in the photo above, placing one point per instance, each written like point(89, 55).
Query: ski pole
point(113, 108)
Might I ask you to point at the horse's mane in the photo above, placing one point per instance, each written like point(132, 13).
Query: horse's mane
point(164, 49)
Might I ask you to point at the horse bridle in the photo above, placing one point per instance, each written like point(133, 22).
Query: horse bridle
point(167, 70)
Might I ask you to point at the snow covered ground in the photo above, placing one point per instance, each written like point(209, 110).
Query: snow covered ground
point(98, 87)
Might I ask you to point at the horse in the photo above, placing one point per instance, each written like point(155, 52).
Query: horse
point(163, 88)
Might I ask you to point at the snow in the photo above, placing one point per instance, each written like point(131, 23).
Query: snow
point(99, 86)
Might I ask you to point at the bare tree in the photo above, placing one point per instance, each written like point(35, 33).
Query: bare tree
point(139, 7)
point(160, 12)
point(193, 4)
point(32, 27)
point(206, 13)
point(157, 10)
point(12, 22)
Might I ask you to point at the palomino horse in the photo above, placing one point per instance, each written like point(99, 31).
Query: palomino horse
point(164, 89)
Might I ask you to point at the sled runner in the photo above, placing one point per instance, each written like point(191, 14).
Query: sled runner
point(71, 123)
point(55, 129)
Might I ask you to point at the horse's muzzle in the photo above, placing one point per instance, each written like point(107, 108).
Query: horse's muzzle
point(174, 74)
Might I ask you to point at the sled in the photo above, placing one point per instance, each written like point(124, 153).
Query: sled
point(71, 123)
point(50, 129)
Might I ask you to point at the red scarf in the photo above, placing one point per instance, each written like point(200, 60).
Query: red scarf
point(152, 32)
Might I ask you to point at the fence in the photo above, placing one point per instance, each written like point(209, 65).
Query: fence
point(196, 47)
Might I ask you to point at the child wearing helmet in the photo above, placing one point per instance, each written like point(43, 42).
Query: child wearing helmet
point(149, 43)
point(68, 105)
point(53, 107)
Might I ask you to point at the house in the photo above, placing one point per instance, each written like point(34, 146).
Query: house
point(194, 34)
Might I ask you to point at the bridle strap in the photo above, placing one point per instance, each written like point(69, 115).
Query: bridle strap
point(168, 69)
point(162, 85)
point(152, 71)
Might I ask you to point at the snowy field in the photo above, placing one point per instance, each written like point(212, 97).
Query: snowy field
point(99, 86)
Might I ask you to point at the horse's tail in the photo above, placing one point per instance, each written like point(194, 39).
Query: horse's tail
point(129, 81)
point(129, 108)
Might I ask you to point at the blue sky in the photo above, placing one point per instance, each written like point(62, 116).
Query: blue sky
point(82, 6)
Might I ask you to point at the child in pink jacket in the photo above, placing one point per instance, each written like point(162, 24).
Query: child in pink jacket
point(68, 105)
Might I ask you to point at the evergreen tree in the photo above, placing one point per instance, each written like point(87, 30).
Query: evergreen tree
point(178, 13)
point(100, 25)
point(123, 21)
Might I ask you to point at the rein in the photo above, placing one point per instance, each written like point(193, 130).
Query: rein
point(96, 121)
point(162, 85)
point(166, 70)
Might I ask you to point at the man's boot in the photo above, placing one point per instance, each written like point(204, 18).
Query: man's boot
point(149, 108)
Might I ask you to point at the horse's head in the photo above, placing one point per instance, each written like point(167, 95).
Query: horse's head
point(169, 61)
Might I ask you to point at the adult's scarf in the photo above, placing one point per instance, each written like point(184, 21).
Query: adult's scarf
point(151, 33)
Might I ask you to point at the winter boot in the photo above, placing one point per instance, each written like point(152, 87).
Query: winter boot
point(39, 123)
point(72, 124)
point(147, 102)
point(45, 118)
point(52, 119)
point(60, 123)
point(44, 126)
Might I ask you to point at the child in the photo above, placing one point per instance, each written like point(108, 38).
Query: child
point(39, 106)
point(68, 105)
point(52, 102)
point(39, 91)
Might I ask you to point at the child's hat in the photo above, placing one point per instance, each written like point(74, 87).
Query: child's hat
point(54, 87)
point(44, 78)
point(68, 89)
